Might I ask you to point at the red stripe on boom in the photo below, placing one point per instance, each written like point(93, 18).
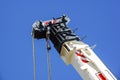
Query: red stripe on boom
point(100, 75)
point(78, 53)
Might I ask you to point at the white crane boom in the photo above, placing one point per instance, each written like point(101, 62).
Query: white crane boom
point(72, 49)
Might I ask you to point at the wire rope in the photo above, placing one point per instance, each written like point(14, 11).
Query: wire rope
point(34, 55)
point(48, 57)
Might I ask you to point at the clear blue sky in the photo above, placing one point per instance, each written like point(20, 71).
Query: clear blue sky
point(98, 19)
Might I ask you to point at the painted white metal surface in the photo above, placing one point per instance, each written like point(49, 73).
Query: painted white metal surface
point(85, 61)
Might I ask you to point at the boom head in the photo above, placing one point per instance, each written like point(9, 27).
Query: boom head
point(57, 29)
point(40, 28)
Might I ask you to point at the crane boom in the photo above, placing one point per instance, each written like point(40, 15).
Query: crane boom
point(72, 49)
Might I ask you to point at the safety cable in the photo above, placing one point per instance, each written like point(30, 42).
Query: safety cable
point(34, 55)
point(48, 55)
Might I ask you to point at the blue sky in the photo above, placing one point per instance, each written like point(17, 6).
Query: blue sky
point(98, 19)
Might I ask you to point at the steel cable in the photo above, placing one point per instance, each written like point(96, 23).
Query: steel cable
point(48, 56)
point(34, 55)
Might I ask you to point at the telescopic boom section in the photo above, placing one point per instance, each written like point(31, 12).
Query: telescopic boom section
point(72, 50)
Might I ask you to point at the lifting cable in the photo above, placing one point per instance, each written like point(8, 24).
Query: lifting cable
point(34, 55)
point(48, 53)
